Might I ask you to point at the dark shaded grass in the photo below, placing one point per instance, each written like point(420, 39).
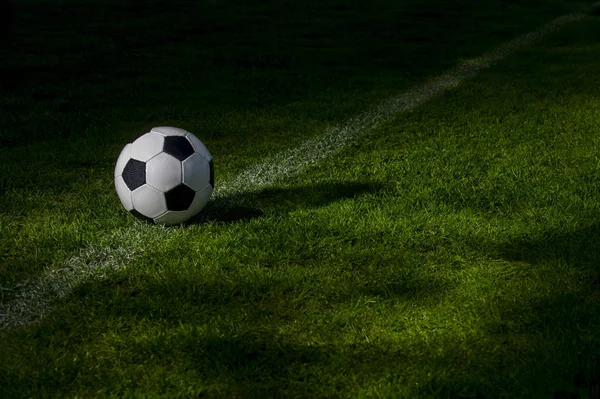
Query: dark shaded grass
point(231, 341)
point(193, 61)
point(334, 306)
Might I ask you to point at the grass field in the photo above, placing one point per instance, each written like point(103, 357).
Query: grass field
point(452, 251)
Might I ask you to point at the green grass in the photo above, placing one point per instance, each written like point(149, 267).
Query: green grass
point(452, 253)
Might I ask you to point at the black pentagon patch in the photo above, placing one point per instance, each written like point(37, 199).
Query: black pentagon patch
point(178, 146)
point(179, 198)
point(212, 174)
point(134, 174)
point(140, 216)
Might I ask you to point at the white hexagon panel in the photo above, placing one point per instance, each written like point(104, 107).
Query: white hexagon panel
point(149, 201)
point(166, 176)
point(172, 217)
point(122, 160)
point(169, 131)
point(200, 200)
point(124, 193)
point(199, 146)
point(163, 172)
point(196, 172)
point(147, 146)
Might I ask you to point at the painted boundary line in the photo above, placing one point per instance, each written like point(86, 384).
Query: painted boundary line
point(292, 162)
point(35, 300)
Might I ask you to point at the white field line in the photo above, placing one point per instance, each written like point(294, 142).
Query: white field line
point(292, 162)
point(35, 300)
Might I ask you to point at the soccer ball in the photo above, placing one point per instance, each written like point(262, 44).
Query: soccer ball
point(166, 176)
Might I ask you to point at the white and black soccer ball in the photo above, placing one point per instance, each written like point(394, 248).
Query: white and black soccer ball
point(166, 176)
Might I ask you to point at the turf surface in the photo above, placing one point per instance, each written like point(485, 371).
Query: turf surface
point(453, 253)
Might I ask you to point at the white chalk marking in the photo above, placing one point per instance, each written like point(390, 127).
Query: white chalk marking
point(35, 300)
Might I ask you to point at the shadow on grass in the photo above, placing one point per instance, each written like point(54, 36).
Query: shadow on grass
point(577, 249)
point(270, 335)
point(567, 319)
point(251, 205)
point(241, 364)
point(229, 55)
point(261, 342)
point(262, 337)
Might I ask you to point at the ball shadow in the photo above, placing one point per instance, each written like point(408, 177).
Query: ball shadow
point(251, 205)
